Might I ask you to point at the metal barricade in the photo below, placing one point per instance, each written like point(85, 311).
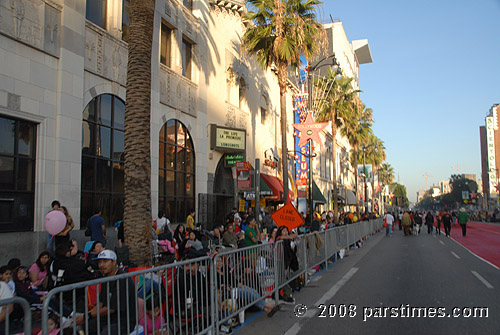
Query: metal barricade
point(242, 278)
point(8, 305)
point(174, 298)
point(316, 253)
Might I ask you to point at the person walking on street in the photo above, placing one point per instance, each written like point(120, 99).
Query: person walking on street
point(429, 221)
point(389, 220)
point(447, 218)
point(406, 222)
point(438, 223)
point(463, 218)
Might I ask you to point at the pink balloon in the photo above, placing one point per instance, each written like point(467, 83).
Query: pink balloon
point(55, 221)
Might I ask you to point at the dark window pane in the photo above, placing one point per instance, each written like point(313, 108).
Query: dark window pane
point(189, 205)
point(161, 183)
point(118, 145)
point(181, 214)
point(88, 173)
point(86, 208)
point(103, 202)
point(7, 129)
point(181, 184)
point(96, 12)
point(189, 185)
point(189, 142)
point(26, 139)
point(118, 177)
point(6, 173)
point(125, 20)
point(119, 114)
point(26, 175)
point(171, 131)
point(103, 148)
point(162, 155)
point(88, 138)
point(105, 110)
point(117, 210)
point(181, 157)
point(189, 161)
point(170, 210)
point(162, 134)
point(170, 157)
point(170, 185)
point(103, 175)
point(186, 58)
point(188, 4)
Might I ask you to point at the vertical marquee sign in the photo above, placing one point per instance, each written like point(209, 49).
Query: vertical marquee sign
point(301, 152)
point(490, 142)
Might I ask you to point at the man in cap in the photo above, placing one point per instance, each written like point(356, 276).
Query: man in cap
point(116, 300)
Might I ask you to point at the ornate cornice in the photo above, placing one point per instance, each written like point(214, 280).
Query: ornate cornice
point(233, 5)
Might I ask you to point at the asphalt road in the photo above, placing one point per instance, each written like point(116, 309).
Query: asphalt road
point(432, 273)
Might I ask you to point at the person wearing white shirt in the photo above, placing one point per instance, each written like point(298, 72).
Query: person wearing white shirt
point(389, 220)
point(162, 222)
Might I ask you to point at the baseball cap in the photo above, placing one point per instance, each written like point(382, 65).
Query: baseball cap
point(107, 254)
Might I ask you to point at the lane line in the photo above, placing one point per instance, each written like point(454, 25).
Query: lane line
point(484, 281)
point(441, 242)
point(311, 312)
point(472, 253)
point(454, 254)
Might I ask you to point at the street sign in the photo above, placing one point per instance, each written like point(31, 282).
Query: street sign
point(243, 176)
point(230, 160)
point(288, 216)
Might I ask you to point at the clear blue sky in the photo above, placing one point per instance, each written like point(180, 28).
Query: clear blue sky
point(435, 74)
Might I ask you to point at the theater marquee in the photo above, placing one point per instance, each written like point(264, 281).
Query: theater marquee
point(227, 139)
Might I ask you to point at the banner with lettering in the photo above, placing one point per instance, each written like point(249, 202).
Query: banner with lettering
point(301, 152)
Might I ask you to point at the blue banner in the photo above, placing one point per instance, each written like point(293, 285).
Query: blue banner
point(301, 152)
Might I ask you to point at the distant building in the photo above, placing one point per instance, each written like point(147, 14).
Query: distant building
point(490, 150)
point(436, 191)
point(444, 186)
point(420, 195)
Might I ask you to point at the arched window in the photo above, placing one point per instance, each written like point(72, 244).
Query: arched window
point(103, 158)
point(242, 93)
point(176, 176)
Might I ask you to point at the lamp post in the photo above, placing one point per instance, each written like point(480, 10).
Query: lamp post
point(310, 69)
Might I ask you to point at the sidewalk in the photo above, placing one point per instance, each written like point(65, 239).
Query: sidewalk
point(323, 285)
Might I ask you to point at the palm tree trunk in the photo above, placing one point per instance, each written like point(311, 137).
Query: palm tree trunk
point(334, 177)
point(284, 147)
point(137, 212)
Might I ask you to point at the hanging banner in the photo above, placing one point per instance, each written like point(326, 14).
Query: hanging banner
point(301, 152)
point(243, 176)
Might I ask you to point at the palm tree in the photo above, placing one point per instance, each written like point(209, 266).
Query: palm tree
point(386, 174)
point(357, 129)
point(137, 211)
point(375, 155)
point(340, 98)
point(279, 32)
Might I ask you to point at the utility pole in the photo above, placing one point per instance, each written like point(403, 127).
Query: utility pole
point(458, 168)
point(427, 176)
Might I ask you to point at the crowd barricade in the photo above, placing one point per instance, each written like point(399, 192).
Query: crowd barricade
point(8, 304)
point(199, 296)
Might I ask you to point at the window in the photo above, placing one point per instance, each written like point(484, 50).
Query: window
point(187, 52)
point(17, 174)
point(125, 20)
point(242, 93)
point(263, 113)
point(188, 4)
point(176, 175)
point(96, 12)
point(166, 45)
point(102, 185)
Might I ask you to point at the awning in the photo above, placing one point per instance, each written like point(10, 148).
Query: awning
point(276, 186)
point(318, 197)
point(351, 198)
point(265, 190)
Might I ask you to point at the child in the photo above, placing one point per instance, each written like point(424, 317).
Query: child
point(159, 321)
point(6, 276)
point(53, 324)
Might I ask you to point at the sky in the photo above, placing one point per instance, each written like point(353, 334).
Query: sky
point(434, 77)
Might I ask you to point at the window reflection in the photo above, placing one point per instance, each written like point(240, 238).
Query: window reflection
point(176, 171)
point(7, 129)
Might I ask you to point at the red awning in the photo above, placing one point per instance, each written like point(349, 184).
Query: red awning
point(276, 185)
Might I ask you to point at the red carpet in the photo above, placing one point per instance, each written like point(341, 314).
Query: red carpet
point(483, 239)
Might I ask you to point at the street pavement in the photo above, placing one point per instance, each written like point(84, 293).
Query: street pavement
point(425, 271)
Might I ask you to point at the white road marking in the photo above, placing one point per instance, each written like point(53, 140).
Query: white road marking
point(484, 281)
point(441, 242)
point(311, 312)
point(454, 254)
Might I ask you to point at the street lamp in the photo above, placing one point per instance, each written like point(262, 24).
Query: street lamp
point(324, 61)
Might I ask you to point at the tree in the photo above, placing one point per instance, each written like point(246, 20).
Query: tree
point(336, 111)
point(400, 195)
point(386, 174)
point(137, 212)
point(279, 32)
point(357, 129)
point(458, 184)
point(375, 155)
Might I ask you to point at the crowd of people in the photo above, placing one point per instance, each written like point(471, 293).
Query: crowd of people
point(412, 222)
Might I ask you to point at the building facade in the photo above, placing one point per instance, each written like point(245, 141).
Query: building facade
point(490, 151)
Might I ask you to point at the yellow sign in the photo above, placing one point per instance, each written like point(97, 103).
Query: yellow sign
point(241, 205)
point(262, 202)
